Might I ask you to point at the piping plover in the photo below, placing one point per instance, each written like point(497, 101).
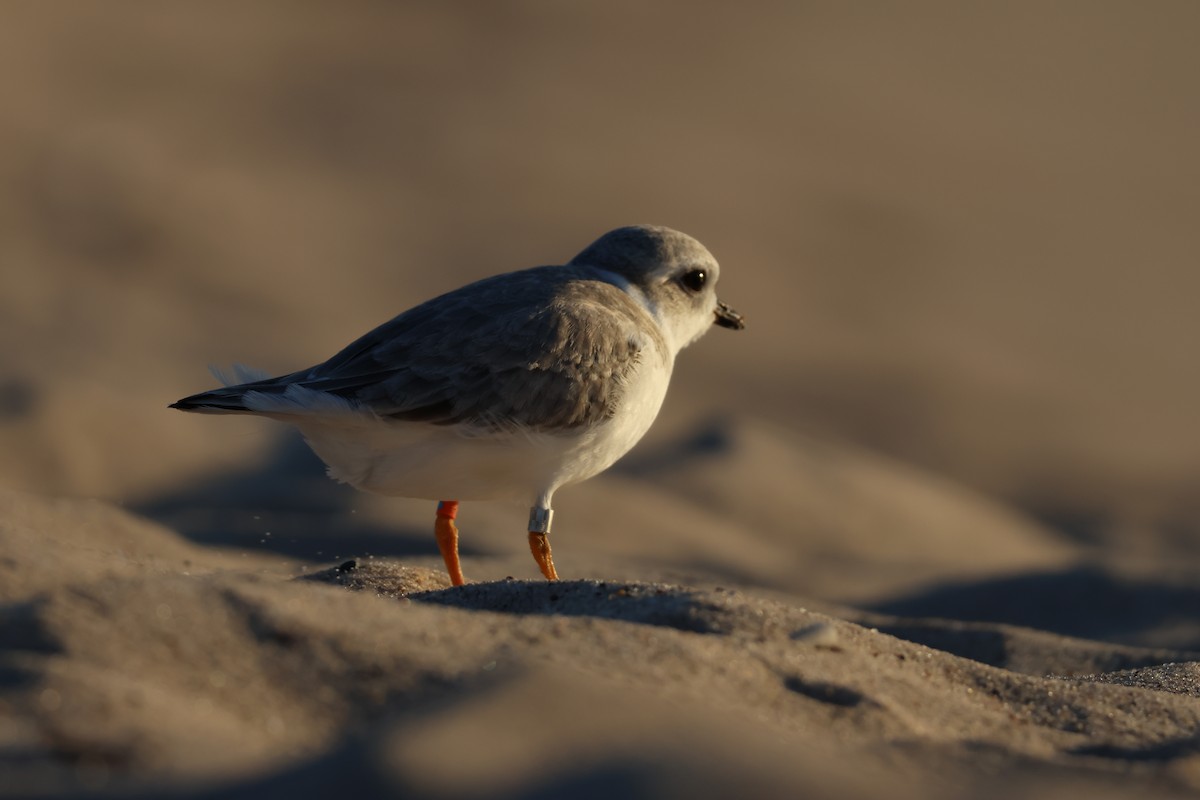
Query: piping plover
point(505, 389)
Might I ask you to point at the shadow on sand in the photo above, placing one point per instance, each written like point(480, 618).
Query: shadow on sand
point(1086, 602)
point(284, 505)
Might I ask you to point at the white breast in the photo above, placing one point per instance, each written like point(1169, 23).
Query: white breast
point(447, 463)
point(599, 448)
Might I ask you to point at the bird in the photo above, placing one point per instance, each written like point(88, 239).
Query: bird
point(506, 389)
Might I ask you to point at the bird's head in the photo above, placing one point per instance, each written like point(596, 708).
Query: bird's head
point(674, 274)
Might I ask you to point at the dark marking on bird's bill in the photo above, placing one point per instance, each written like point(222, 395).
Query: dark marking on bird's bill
point(728, 318)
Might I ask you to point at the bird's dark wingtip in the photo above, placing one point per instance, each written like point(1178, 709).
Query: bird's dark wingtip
point(210, 403)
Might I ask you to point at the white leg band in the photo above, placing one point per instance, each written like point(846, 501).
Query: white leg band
point(540, 519)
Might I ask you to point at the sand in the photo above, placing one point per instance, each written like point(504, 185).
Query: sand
point(136, 662)
point(927, 528)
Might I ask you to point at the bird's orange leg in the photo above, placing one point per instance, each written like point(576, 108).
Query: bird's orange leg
point(539, 525)
point(447, 539)
point(539, 545)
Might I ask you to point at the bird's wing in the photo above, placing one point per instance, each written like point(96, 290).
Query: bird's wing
point(545, 349)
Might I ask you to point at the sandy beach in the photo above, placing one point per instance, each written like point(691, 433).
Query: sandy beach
point(928, 528)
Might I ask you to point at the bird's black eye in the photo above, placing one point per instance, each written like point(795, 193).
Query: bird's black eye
point(694, 279)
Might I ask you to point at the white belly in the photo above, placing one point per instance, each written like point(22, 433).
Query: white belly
point(406, 459)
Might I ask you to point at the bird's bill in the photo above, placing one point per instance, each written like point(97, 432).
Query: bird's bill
point(728, 318)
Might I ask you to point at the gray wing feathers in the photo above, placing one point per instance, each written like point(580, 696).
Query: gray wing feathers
point(545, 349)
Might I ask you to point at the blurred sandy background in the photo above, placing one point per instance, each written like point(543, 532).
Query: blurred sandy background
point(964, 236)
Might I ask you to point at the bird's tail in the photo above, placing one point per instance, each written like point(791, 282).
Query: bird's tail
point(231, 399)
point(218, 401)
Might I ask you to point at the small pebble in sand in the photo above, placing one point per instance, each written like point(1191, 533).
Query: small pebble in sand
point(818, 634)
